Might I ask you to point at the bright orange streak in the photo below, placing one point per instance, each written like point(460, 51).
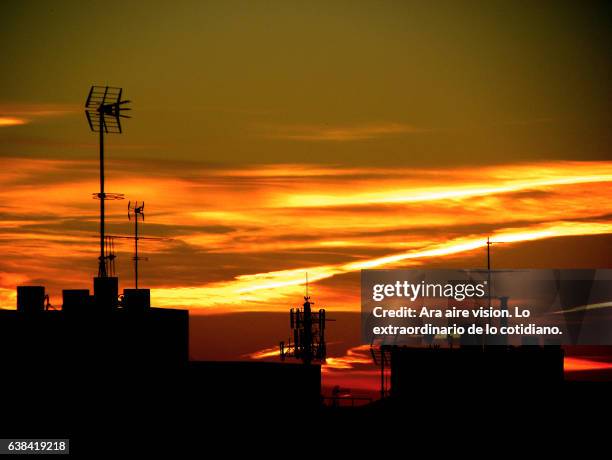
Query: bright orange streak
point(353, 356)
point(286, 284)
point(444, 193)
point(356, 355)
point(454, 247)
point(571, 364)
point(12, 121)
point(360, 355)
point(272, 352)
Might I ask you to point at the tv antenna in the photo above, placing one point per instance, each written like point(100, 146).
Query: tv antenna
point(137, 212)
point(103, 109)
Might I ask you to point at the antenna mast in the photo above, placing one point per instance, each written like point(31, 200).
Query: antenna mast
point(137, 211)
point(103, 109)
point(489, 244)
point(490, 286)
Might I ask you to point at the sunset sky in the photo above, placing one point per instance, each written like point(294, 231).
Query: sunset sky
point(271, 139)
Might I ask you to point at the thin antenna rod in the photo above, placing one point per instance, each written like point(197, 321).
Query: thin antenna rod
point(490, 287)
point(307, 285)
point(489, 244)
point(136, 247)
point(102, 262)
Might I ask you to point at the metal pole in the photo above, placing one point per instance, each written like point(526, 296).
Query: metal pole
point(136, 247)
point(102, 265)
point(382, 372)
point(488, 254)
point(489, 268)
point(307, 339)
point(488, 279)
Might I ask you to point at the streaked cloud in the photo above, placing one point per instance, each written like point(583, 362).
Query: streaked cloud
point(353, 357)
point(574, 364)
point(339, 133)
point(254, 291)
point(509, 180)
point(21, 114)
point(243, 238)
point(271, 352)
point(11, 121)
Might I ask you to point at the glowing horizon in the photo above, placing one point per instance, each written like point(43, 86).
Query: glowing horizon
point(236, 248)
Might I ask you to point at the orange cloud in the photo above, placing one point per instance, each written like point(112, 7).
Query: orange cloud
point(502, 181)
point(245, 291)
point(354, 356)
point(243, 239)
point(272, 352)
point(12, 121)
point(21, 114)
point(572, 364)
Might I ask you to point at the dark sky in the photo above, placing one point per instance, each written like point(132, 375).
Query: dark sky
point(362, 82)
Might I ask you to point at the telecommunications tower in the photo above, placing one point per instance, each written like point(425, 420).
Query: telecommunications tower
point(308, 331)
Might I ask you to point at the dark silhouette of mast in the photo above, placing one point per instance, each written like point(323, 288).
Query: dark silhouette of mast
point(103, 111)
point(102, 263)
point(137, 211)
point(308, 331)
point(489, 244)
point(490, 287)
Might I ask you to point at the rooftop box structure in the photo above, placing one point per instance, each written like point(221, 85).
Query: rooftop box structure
point(30, 299)
point(75, 300)
point(136, 299)
point(106, 293)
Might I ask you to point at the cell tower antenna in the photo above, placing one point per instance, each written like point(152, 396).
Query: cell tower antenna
point(103, 109)
point(137, 211)
point(308, 333)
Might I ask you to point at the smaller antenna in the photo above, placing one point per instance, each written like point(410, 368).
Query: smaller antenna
point(306, 298)
point(137, 211)
point(489, 244)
